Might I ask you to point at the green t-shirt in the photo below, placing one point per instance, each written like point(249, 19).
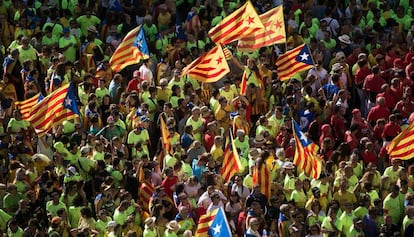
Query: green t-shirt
point(4, 218)
point(142, 137)
point(196, 125)
point(85, 22)
point(12, 202)
point(16, 125)
point(394, 208)
point(49, 41)
point(70, 52)
point(56, 31)
point(120, 217)
point(52, 209)
point(347, 221)
point(74, 215)
point(151, 32)
point(29, 53)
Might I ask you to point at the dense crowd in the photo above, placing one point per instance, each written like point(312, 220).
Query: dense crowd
point(108, 173)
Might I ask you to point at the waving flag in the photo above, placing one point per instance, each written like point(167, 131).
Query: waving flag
point(214, 224)
point(209, 67)
point(165, 142)
point(402, 146)
point(26, 106)
point(273, 33)
point(179, 32)
point(54, 109)
point(131, 50)
point(306, 158)
point(192, 22)
point(231, 161)
point(240, 24)
point(294, 61)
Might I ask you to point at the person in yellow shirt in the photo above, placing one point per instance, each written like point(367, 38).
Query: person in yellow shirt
point(217, 150)
point(222, 113)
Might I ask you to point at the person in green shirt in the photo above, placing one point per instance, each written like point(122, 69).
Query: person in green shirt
point(111, 130)
point(86, 21)
point(14, 230)
point(68, 45)
point(16, 123)
point(11, 199)
point(54, 205)
point(172, 228)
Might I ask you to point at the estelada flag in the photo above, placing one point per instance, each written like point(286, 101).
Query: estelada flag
point(273, 33)
point(209, 67)
point(293, 61)
point(239, 24)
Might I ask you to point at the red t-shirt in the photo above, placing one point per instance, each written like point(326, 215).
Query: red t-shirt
point(369, 157)
point(133, 85)
point(391, 130)
point(168, 185)
point(373, 83)
point(378, 112)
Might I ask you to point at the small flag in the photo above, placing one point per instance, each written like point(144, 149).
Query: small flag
point(55, 108)
point(26, 106)
point(192, 22)
point(273, 33)
point(131, 50)
point(239, 24)
point(294, 61)
point(214, 224)
point(402, 146)
point(179, 32)
point(115, 6)
point(144, 195)
point(231, 161)
point(166, 142)
point(209, 67)
point(306, 158)
point(227, 53)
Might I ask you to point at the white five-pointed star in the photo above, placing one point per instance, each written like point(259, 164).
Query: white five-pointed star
point(304, 56)
point(303, 137)
point(216, 229)
point(68, 102)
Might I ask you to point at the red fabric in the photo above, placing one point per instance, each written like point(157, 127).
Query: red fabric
point(208, 141)
point(369, 157)
point(351, 140)
point(361, 74)
point(378, 133)
point(373, 83)
point(405, 109)
point(338, 125)
point(133, 85)
point(378, 112)
point(391, 130)
point(168, 185)
point(389, 99)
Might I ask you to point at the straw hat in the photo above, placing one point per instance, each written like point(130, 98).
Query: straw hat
point(173, 225)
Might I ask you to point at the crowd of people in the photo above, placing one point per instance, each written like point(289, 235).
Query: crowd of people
point(109, 173)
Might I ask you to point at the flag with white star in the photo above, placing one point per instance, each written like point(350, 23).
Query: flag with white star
point(131, 50)
point(239, 24)
point(273, 33)
point(293, 61)
point(54, 109)
point(214, 224)
point(306, 158)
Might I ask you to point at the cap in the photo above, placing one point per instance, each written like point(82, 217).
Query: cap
point(84, 150)
point(93, 29)
point(72, 169)
point(66, 30)
point(288, 165)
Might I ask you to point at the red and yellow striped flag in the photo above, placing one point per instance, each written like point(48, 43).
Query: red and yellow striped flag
point(209, 67)
point(26, 106)
point(273, 33)
point(294, 61)
point(402, 146)
point(261, 176)
point(231, 161)
point(213, 223)
point(166, 142)
point(144, 195)
point(239, 24)
point(306, 158)
point(55, 108)
point(131, 50)
point(227, 53)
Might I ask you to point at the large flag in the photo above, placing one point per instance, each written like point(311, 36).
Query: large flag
point(131, 50)
point(239, 24)
point(294, 61)
point(262, 177)
point(306, 158)
point(273, 33)
point(214, 224)
point(209, 67)
point(231, 161)
point(402, 146)
point(55, 108)
point(26, 106)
